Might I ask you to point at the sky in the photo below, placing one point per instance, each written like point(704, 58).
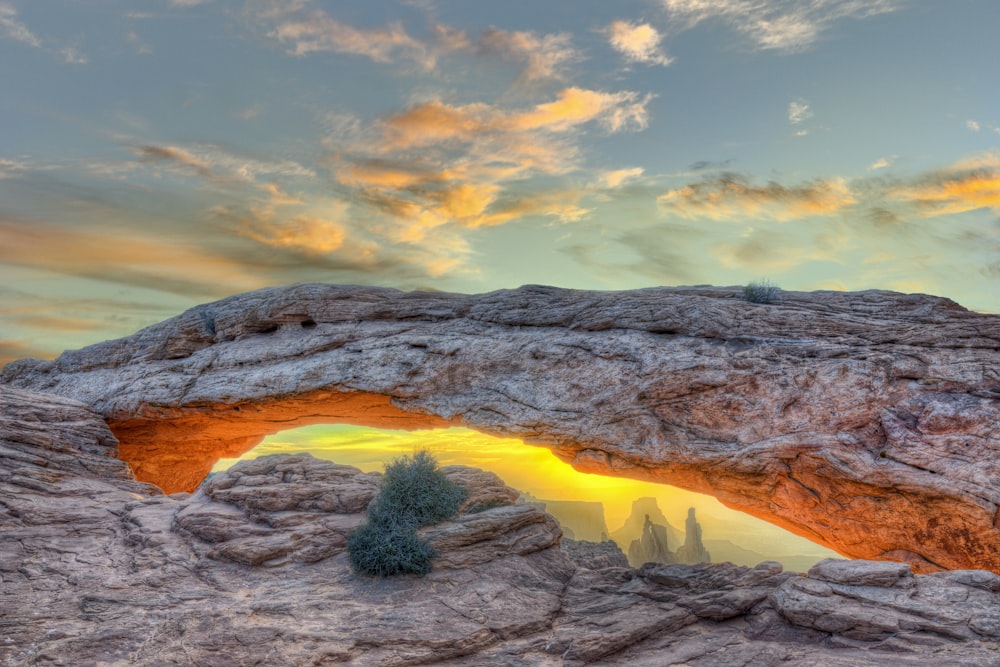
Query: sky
point(158, 155)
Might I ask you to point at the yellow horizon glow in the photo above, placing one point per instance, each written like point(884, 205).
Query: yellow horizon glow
point(527, 468)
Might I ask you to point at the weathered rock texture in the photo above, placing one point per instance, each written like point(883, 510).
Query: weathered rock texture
point(868, 422)
point(98, 569)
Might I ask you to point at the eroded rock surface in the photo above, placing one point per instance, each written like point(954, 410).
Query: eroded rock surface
point(98, 569)
point(867, 422)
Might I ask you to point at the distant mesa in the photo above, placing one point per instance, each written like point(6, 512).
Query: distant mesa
point(634, 525)
point(580, 520)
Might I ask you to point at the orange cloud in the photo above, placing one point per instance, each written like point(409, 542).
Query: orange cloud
point(957, 192)
point(730, 196)
point(308, 234)
point(576, 106)
point(130, 259)
point(465, 165)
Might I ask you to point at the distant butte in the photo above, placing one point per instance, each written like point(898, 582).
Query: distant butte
point(868, 422)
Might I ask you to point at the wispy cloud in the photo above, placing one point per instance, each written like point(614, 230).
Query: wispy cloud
point(967, 185)
point(9, 168)
point(141, 47)
point(732, 196)
point(799, 112)
point(787, 26)
point(638, 42)
point(12, 28)
point(881, 163)
point(134, 260)
point(614, 179)
point(213, 163)
point(545, 56)
point(320, 32)
point(973, 125)
point(72, 56)
point(305, 29)
point(15, 349)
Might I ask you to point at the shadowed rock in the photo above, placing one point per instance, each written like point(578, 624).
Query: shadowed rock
point(863, 421)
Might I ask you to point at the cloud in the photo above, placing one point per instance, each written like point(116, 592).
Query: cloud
point(216, 165)
point(545, 55)
point(319, 32)
point(787, 26)
point(772, 251)
point(437, 165)
point(11, 350)
point(11, 28)
point(881, 163)
point(799, 112)
point(10, 168)
point(638, 42)
point(614, 179)
point(310, 235)
point(134, 260)
point(305, 29)
point(73, 56)
point(954, 190)
point(732, 196)
point(973, 125)
point(142, 48)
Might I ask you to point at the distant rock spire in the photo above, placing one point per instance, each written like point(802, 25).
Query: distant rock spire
point(693, 550)
point(651, 547)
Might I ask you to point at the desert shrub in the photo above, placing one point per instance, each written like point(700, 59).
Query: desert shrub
point(414, 489)
point(387, 549)
point(414, 493)
point(761, 291)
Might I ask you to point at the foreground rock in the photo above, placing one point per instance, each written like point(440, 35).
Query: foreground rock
point(98, 569)
point(866, 422)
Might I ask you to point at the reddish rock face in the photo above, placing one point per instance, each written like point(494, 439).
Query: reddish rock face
point(865, 421)
point(176, 448)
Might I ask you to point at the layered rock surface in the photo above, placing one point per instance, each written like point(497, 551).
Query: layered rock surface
point(98, 569)
point(867, 421)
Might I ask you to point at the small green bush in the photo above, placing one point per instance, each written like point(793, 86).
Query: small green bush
point(414, 488)
point(384, 550)
point(414, 493)
point(761, 291)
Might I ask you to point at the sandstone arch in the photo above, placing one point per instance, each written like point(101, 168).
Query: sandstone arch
point(864, 421)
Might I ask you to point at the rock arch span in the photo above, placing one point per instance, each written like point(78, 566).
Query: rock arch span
point(866, 422)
